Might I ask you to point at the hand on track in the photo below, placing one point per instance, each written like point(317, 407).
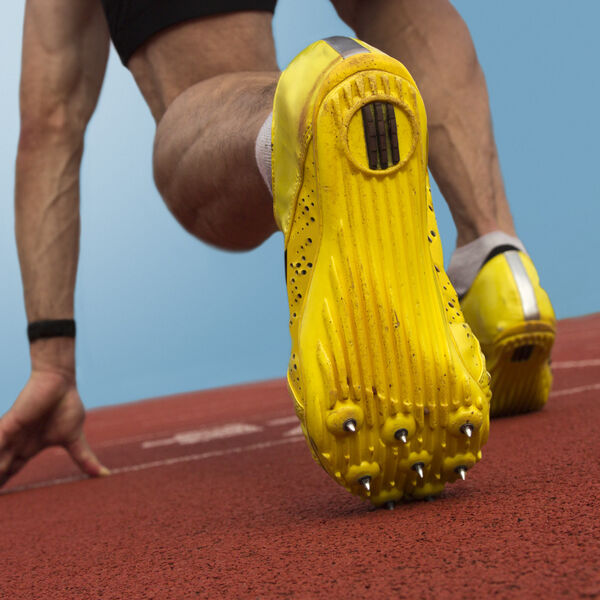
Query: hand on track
point(48, 412)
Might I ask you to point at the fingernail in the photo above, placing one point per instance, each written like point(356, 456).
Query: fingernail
point(104, 472)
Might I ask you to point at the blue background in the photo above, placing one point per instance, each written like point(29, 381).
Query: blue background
point(159, 312)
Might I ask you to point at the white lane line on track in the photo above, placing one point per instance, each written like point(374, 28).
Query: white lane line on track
point(282, 421)
point(148, 437)
point(159, 463)
point(186, 438)
point(576, 390)
point(567, 364)
point(204, 455)
point(217, 453)
point(294, 431)
point(142, 437)
point(576, 364)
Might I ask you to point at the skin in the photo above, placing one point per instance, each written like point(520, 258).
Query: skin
point(208, 111)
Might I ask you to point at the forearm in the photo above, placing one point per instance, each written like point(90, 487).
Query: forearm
point(47, 231)
point(47, 223)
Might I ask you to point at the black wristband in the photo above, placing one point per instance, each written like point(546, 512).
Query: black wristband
point(49, 329)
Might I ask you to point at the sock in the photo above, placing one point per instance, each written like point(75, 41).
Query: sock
point(262, 151)
point(466, 261)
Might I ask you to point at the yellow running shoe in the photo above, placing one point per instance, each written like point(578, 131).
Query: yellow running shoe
point(513, 319)
point(388, 381)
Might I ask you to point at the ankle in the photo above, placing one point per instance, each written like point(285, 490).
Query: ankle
point(468, 235)
point(467, 260)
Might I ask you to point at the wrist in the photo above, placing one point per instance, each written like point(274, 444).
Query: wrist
point(56, 355)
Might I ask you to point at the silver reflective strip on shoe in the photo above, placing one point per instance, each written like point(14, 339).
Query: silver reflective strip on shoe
point(345, 46)
point(531, 310)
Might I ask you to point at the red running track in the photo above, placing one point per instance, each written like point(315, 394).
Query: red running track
point(215, 495)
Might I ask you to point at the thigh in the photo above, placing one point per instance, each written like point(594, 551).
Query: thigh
point(175, 58)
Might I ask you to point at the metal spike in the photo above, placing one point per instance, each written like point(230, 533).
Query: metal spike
point(401, 435)
point(350, 425)
point(467, 429)
point(462, 472)
point(418, 467)
point(365, 482)
point(390, 505)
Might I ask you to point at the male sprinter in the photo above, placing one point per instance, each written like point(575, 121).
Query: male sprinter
point(388, 380)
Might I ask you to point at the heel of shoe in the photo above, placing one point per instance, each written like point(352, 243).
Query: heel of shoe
point(519, 364)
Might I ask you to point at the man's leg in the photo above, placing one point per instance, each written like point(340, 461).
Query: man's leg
point(432, 40)
point(210, 99)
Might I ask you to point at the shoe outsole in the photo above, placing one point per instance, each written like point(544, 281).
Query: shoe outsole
point(519, 363)
point(374, 345)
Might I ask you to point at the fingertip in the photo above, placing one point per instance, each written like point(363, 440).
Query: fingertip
point(104, 472)
point(95, 469)
point(85, 458)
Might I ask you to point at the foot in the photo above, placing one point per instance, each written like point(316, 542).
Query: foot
point(388, 381)
point(513, 319)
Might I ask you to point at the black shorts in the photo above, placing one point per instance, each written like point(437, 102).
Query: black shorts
point(133, 22)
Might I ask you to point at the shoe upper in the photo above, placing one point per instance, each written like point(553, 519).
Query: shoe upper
point(506, 294)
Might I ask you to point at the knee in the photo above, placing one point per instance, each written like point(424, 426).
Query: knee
point(167, 162)
point(164, 163)
point(204, 164)
point(201, 206)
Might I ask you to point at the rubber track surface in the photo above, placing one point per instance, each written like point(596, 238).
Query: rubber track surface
point(215, 495)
